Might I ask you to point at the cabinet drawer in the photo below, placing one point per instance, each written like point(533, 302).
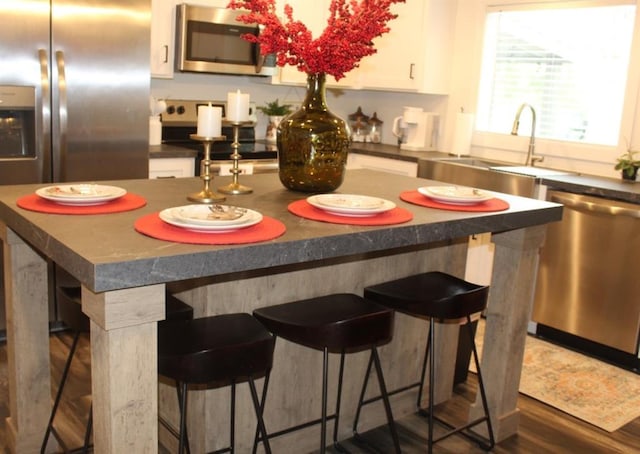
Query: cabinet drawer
point(171, 167)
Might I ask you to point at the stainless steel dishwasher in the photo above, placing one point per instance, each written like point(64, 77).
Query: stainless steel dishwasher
point(588, 284)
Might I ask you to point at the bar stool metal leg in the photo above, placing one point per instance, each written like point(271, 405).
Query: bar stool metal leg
point(385, 400)
point(261, 431)
point(432, 379)
point(430, 412)
point(424, 371)
point(258, 406)
point(325, 380)
point(361, 400)
point(183, 417)
point(483, 394)
point(232, 418)
point(56, 403)
point(87, 434)
point(336, 424)
point(374, 360)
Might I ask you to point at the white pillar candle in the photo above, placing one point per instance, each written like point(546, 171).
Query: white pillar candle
point(464, 125)
point(237, 106)
point(209, 121)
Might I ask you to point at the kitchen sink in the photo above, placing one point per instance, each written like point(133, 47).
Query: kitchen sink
point(486, 174)
point(474, 162)
point(531, 171)
point(478, 173)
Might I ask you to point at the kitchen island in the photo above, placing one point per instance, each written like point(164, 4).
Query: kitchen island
point(124, 274)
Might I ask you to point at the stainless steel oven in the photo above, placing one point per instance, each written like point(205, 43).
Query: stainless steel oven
point(180, 121)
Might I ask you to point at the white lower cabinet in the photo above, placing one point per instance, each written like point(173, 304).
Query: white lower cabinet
point(171, 167)
point(362, 161)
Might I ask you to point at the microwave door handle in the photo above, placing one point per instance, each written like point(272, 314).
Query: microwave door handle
point(45, 99)
point(259, 59)
point(62, 110)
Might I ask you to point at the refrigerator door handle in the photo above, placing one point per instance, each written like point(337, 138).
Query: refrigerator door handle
point(62, 108)
point(45, 99)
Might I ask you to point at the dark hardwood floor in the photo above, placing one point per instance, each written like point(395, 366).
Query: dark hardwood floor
point(543, 429)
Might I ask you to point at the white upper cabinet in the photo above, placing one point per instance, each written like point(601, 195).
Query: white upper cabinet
point(434, 49)
point(163, 32)
point(415, 56)
point(163, 20)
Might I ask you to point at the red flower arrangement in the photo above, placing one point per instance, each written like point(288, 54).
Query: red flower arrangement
point(351, 27)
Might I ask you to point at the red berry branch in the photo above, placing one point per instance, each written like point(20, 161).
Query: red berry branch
point(347, 38)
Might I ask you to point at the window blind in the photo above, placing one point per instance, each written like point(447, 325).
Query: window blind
point(570, 64)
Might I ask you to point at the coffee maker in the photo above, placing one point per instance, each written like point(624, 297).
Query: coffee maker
point(416, 129)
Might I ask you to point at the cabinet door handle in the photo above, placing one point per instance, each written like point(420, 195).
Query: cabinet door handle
point(166, 54)
point(411, 68)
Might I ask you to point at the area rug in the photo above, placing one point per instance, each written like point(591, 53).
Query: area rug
point(593, 391)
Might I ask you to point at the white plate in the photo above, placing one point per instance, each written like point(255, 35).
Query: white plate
point(167, 216)
point(456, 195)
point(204, 215)
point(81, 193)
point(350, 205)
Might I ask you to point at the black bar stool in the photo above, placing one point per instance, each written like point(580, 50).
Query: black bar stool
point(441, 298)
point(339, 323)
point(219, 350)
point(70, 312)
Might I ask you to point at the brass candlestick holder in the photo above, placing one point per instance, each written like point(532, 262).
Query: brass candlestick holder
point(234, 187)
point(206, 195)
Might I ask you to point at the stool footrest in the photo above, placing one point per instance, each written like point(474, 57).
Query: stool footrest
point(391, 393)
point(369, 447)
point(304, 425)
point(172, 430)
point(221, 451)
point(462, 430)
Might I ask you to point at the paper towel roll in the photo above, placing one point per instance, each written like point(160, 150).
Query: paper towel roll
point(465, 123)
point(155, 130)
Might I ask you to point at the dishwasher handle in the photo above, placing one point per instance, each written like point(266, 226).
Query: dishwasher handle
point(580, 203)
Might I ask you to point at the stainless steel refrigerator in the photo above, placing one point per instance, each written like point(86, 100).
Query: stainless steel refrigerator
point(74, 91)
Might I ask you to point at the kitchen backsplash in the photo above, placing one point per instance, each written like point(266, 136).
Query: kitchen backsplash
point(387, 105)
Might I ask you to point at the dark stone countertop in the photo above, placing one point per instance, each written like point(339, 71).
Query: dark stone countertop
point(393, 152)
point(170, 151)
point(610, 188)
point(106, 253)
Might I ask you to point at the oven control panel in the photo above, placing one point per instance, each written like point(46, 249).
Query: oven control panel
point(184, 112)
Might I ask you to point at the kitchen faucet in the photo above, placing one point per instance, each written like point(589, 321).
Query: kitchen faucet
point(531, 159)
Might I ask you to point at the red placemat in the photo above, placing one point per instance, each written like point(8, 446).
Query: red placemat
point(127, 202)
point(303, 209)
point(418, 199)
point(151, 225)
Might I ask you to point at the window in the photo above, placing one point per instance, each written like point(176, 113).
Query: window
point(569, 63)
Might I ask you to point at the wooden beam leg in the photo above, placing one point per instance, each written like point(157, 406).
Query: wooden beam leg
point(509, 309)
point(26, 300)
point(124, 367)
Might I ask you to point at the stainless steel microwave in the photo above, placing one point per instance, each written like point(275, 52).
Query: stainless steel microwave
point(209, 40)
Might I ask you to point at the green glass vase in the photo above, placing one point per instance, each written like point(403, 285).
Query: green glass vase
point(313, 143)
